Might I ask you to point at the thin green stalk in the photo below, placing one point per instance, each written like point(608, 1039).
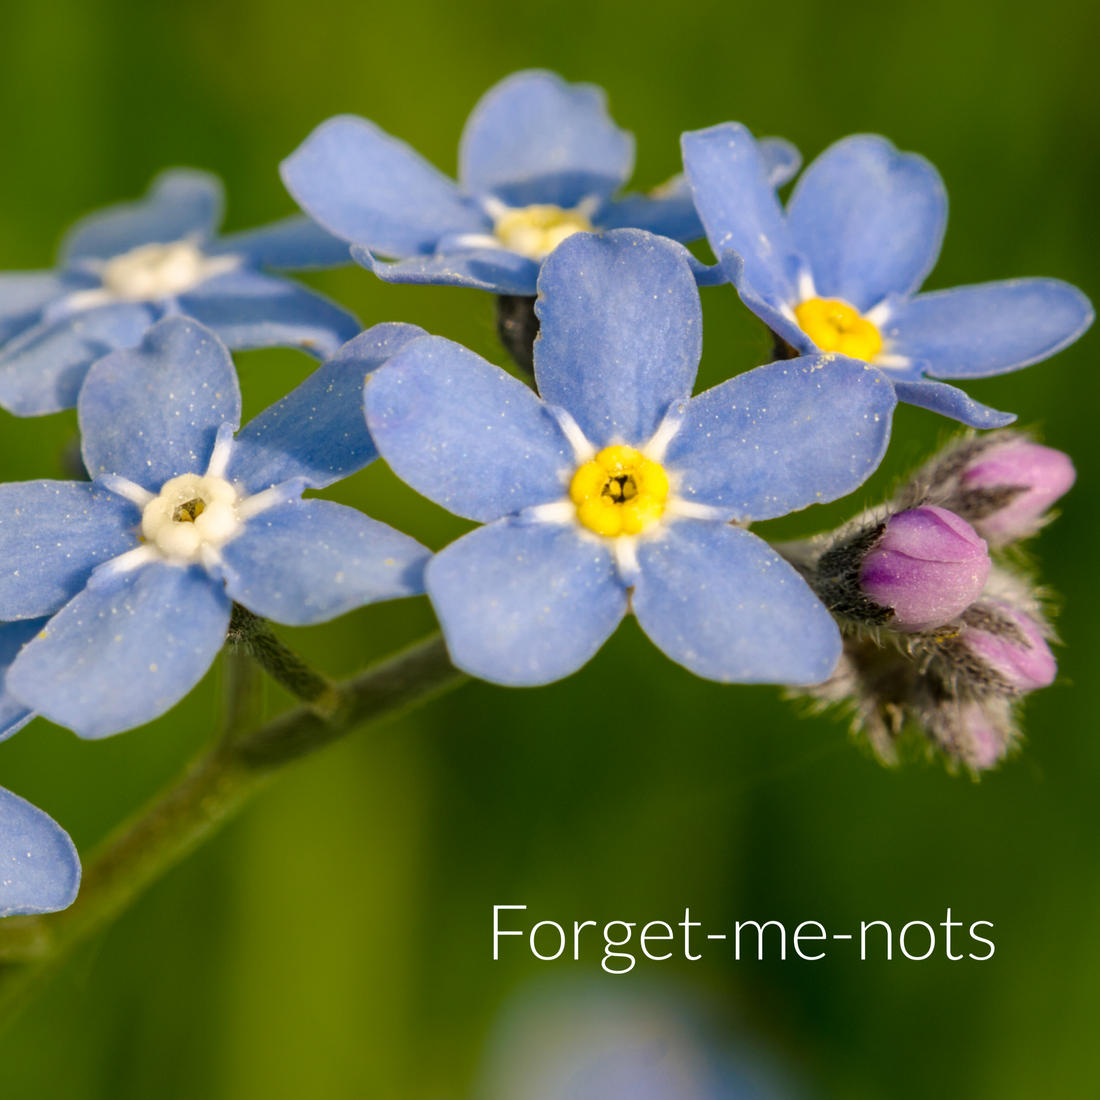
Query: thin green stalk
point(208, 794)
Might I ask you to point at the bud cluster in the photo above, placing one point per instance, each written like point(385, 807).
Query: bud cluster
point(942, 634)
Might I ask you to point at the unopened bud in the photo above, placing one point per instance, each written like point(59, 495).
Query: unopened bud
point(928, 567)
point(1011, 643)
point(980, 740)
point(1039, 474)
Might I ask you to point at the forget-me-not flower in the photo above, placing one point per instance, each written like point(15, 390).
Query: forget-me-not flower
point(139, 567)
point(617, 490)
point(539, 160)
point(39, 867)
point(840, 270)
point(123, 268)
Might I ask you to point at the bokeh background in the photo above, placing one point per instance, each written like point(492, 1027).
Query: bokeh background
point(335, 940)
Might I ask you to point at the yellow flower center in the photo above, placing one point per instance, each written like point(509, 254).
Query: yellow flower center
point(620, 492)
point(835, 326)
point(535, 231)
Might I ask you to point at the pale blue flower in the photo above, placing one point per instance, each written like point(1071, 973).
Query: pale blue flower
point(531, 596)
point(539, 159)
point(139, 568)
point(123, 268)
point(860, 234)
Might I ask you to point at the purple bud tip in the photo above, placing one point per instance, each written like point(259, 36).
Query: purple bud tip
point(1043, 473)
point(928, 567)
point(1026, 663)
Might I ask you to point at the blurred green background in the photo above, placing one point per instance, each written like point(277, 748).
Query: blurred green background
point(335, 940)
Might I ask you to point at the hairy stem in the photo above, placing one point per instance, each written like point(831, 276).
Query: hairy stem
point(209, 793)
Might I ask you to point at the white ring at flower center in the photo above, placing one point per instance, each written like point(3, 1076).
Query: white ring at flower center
point(184, 539)
point(154, 271)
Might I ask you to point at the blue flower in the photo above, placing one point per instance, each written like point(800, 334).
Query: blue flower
point(39, 867)
point(125, 267)
point(539, 159)
point(619, 491)
point(840, 270)
point(139, 568)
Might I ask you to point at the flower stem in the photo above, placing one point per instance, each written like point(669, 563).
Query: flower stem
point(209, 793)
point(517, 327)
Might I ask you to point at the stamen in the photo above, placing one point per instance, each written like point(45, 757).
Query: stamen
point(189, 512)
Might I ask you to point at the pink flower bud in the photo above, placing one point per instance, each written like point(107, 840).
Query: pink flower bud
point(1042, 473)
point(1026, 662)
point(982, 743)
point(928, 567)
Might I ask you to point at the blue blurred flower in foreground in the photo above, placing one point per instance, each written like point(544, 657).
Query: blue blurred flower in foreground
point(39, 867)
point(125, 267)
point(618, 491)
point(539, 160)
point(840, 271)
point(581, 1041)
point(139, 568)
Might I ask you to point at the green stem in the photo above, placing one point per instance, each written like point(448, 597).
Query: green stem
point(207, 795)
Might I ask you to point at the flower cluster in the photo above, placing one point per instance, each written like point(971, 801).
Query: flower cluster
point(603, 484)
point(944, 627)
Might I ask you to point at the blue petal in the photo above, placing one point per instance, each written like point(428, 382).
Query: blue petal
point(975, 331)
point(52, 535)
point(869, 219)
point(39, 867)
point(23, 296)
point(464, 433)
point(783, 436)
point(533, 138)
point(181, 202)
point(737, 204)
point(317, 432)
point(151, 413)
point(308, 561)
point(773, 317)
point(493, 269)
point(296, 243)
point(719, 601)
point(369, 188)
point(622, 332)
point(951, 401)
point(524, 604)
point(13, 636)
point(668, 211)
point(125, 650)
point(782, 160)
point(248, 309)
point(42, 369)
